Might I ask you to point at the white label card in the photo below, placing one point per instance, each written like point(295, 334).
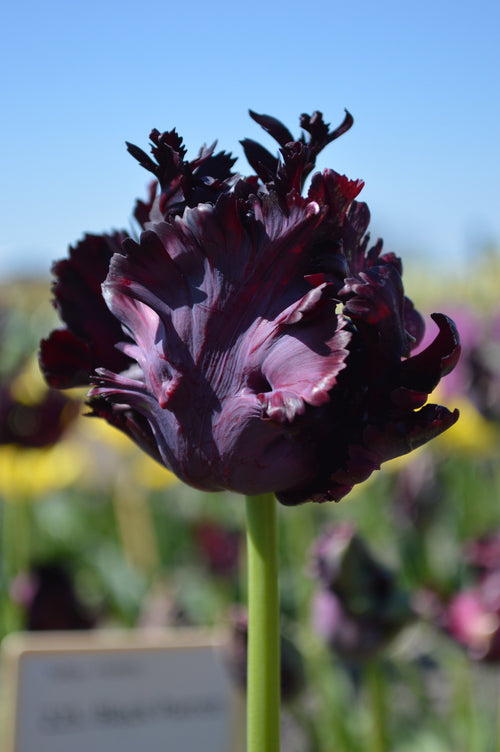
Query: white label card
point(75, 692)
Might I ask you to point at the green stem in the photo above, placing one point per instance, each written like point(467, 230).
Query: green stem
point(376, 687)
point(263, 682)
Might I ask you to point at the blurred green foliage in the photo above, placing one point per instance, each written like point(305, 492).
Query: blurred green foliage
point(129, 536)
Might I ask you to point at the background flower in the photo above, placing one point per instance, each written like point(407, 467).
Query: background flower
point(358, 606)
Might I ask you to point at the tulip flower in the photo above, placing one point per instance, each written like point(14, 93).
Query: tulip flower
point(249, 339)
point(252, 340)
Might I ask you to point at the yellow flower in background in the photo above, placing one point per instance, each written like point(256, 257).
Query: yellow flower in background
point(33, 421)
point(472, 434)
point(30, 473)
point(28, 387)
point(109, 454)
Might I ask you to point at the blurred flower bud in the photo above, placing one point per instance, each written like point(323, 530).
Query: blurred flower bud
point(359, 606)
point(219, 547)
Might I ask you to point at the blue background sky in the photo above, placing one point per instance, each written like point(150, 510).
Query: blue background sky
point(78, 79)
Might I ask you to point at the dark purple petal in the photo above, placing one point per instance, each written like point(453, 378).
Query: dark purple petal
point(69, 357)
point(424, 370)
point(381, 416)
point(334, 191)
point(231, 343)
point(143, 209)
point(65, 360)
point(376, 298)
point(262, 161)
point(414, 323)
point(320, 132)
point(299, 155)
point(274, 127)
point(182, 183)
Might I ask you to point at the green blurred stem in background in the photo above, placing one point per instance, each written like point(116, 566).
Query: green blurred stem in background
point(376, 684)
point(263, 672)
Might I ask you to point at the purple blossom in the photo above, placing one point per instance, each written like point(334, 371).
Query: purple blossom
point(250, 339)
point(36, 425)
point(358, 606)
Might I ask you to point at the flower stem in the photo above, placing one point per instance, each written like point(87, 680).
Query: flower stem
point(263, 672)
point(376, 687)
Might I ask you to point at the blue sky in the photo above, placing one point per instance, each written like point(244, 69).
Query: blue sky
point(79, 79)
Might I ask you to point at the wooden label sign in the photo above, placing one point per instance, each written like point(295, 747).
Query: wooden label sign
point(132, 692)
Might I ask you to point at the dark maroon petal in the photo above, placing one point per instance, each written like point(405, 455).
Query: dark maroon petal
point(299, 155)
point(376, 299)
point(262, 161)
point(424, 370)
point(290, 173)
point(334, 191)
point(378, 445)
point(128, 420)
point(92, 330)
point(143, 158)
point(65, 360)
point(414, 323)
point(320, 135)
point(143, 209)
point(224, 328)
point(354, 237)
point(419, 427)
point(320, 132)
point(211, 167)
point(77, 287)
point(273, 126)
point(182, 183)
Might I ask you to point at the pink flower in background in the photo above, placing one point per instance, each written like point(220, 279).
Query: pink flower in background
point(473, 619)
point(472, 615)
point(251, 339)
